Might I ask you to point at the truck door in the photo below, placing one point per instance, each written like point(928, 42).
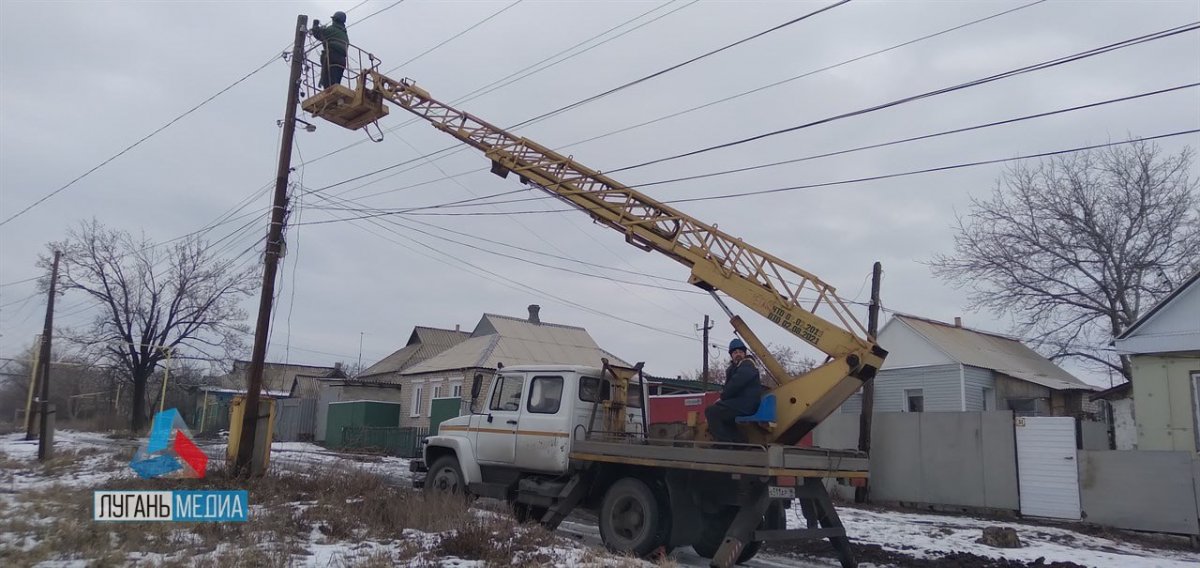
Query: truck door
point(544, 426)
point(497, 433)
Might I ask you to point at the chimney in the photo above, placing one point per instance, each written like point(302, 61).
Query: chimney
point(457, 327)
point(957, 321)
point(533, 313)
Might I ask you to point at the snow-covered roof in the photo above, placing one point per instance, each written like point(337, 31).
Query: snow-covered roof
point(993, 351)
point(517, 341)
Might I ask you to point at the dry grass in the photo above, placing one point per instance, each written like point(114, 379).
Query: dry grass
point(341, 504)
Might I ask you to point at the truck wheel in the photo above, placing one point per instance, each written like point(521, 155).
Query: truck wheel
point(446, 477)
point(631, 518)
point(715, 527)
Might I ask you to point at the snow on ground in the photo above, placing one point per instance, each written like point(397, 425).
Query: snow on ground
point(929, 536)
point(95, 455)
point(87, 460)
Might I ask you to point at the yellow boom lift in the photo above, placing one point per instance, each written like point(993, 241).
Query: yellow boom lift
point(782, 292)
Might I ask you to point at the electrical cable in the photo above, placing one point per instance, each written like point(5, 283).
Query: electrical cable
point(472, 202)
point(1014, 72)
point(661, 72)
point(138, 143)
point(491, 87)
point(605, 93)
point(453, 37)
point(848, 181)
point(803, 75)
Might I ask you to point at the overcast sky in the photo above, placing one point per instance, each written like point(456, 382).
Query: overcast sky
point(79, 81)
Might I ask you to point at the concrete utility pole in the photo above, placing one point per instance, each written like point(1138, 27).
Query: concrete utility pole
point(707, 326)
point(258, 355)
point(868, 391)
point(45, 437)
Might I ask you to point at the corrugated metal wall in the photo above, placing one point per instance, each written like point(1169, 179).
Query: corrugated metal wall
point(939, 385)
point(974, 381)
point(296, 420)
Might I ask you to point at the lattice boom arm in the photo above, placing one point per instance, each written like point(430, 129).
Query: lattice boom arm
point(759, 280)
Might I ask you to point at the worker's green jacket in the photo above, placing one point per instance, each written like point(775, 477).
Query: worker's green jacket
point(336, 40)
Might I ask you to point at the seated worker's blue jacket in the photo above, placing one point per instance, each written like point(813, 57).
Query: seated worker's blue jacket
point(742, 389)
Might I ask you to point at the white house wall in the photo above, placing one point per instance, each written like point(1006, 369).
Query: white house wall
point(940, 385)
point(907, 348)
point(974, 381)
point(1174, 327)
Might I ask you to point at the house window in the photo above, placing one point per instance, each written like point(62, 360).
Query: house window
point(456, 390)
point(545, 395)
point(418, 400)
point(1028, 406)
point(437, 391)
point(989, 399)
point(914, 400)
point(506, 395)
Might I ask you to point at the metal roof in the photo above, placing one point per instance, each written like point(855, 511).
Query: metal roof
point(1160, 305)
point(423, 343)
point(516, 341)
point(993, 351)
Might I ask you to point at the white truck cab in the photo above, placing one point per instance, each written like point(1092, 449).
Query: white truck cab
point(525, 418)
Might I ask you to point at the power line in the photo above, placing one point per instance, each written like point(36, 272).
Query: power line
point(661, 72)
point(453, 37)
point(139, 142)
point(846, 181)
point(372, 14)
point(491, 87)
point(803, 75)
point(1014, 72)
point(608, 92)
point(441, 256)
point(473, 202)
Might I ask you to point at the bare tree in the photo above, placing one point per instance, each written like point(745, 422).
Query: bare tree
point(155, 300)
point(791, 359)
point(1076, 247)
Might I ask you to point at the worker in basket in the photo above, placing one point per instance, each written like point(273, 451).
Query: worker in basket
point(337, 43)
point(739, 397)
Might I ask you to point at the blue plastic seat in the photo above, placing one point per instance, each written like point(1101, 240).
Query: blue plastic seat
point(766, 412)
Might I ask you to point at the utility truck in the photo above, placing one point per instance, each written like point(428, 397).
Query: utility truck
point(553, 438)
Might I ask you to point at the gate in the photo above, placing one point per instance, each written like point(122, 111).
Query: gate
point(1047, 473)
point(441, 410)
point(297, 420)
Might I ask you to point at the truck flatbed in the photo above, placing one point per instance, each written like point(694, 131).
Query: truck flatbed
point(773, 460)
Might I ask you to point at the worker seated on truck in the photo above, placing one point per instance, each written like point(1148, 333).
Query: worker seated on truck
point(739, 397)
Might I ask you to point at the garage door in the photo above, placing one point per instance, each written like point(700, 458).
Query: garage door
point(1046, 470)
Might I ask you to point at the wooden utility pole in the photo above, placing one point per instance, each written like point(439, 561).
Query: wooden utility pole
point(868, 391)
point(704, 366)
point(258, 355)
point(30, 413)
point(44, 436)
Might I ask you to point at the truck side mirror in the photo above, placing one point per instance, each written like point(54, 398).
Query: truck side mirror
point(476, 384)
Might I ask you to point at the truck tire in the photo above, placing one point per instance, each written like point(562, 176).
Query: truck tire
point(632, 518)
point(715, 526)
point(445, 476)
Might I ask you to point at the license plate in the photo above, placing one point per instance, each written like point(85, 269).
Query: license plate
point(781, 492)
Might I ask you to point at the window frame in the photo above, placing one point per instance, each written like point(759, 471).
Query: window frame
point(498, 389)
point(417, 401)
point(909, 395)
point(632, 396)
point(533, 386)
